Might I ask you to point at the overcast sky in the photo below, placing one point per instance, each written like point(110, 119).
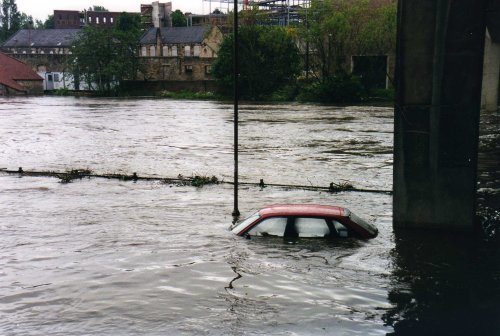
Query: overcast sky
point(40, 9)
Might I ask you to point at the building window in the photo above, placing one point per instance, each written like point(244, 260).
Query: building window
point(104, 20)
point(208, 69)
point(56, 77)
point(188, 68)
point(187, 51)
point(152, 51)
point(144, 51)
point(165, 51)
point(111, 20)
point(197, 51)
point(174, 51)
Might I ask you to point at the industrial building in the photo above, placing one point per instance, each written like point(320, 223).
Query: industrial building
point(278, 12)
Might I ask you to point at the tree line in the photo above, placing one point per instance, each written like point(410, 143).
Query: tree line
point(310, 60)
point(12, 20)
point(307, 60)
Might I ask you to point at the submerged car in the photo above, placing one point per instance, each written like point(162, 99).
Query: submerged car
point(305, 220)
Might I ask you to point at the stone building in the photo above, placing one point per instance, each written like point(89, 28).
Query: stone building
point(17, 77)
point(180, 53)
point(46, 51)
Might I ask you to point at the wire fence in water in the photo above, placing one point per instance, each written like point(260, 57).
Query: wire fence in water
point(195, 180)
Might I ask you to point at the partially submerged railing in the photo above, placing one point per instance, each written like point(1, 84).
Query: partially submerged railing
point(196, 180)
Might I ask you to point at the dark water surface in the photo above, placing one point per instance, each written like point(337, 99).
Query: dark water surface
point(101, 257)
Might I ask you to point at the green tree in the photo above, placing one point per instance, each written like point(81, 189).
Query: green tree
point(98, 9)
point(269, 60)
point(10, 19)
point(129, 23)
point(178, 19)
point(26, 21)
point(49, 22)
point(338, 29)
point(102, 58)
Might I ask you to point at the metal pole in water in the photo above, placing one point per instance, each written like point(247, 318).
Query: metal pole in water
point(236, 212)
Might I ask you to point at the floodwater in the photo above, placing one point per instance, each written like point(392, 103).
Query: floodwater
point(109, 257)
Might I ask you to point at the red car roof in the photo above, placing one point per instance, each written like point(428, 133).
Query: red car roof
point(302, 210)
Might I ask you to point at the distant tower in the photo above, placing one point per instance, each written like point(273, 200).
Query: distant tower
point(157, 14)
point(161, 14)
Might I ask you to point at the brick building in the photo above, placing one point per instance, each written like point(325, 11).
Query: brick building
point(69, 19)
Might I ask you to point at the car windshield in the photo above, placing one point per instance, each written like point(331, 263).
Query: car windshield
point(249, 220)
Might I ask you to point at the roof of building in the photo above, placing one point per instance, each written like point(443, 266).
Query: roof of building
point(26, 38)
point(12, 70)
point(175, 35)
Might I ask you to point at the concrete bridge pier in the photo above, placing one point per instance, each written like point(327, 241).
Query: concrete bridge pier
point(491, 74)
point(438, 78)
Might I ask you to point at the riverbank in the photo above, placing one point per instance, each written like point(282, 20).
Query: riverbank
point(380, 97)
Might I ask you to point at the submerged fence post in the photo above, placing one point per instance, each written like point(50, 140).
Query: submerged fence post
point(236, 212)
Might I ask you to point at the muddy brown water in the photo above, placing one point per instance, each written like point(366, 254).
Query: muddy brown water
point(107, 257)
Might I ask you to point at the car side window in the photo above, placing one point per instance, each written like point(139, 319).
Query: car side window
point(311, 227)
point(274, 226)
point(341, 229)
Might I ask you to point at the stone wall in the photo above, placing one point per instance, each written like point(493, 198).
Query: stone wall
point(176, 69)
point(155, 87)
point(34, 87)
point(43, 62)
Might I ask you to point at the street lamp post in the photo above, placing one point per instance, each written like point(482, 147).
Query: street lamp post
point(236, 212)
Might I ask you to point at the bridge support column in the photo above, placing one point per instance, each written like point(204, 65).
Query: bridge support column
point(438, 79)
point(491, 75)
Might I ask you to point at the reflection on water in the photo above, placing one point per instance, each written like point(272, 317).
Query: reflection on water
point(444, 285)
point(99, 257)
point(449, 284)
point(489, 175)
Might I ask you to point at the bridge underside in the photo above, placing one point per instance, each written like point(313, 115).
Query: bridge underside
point(438, 77)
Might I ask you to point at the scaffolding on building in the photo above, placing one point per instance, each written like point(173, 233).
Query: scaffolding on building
point(225, 6)
point(282, 12)
point(278, 12)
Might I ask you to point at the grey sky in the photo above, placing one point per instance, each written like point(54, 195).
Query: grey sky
point(41, 9)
